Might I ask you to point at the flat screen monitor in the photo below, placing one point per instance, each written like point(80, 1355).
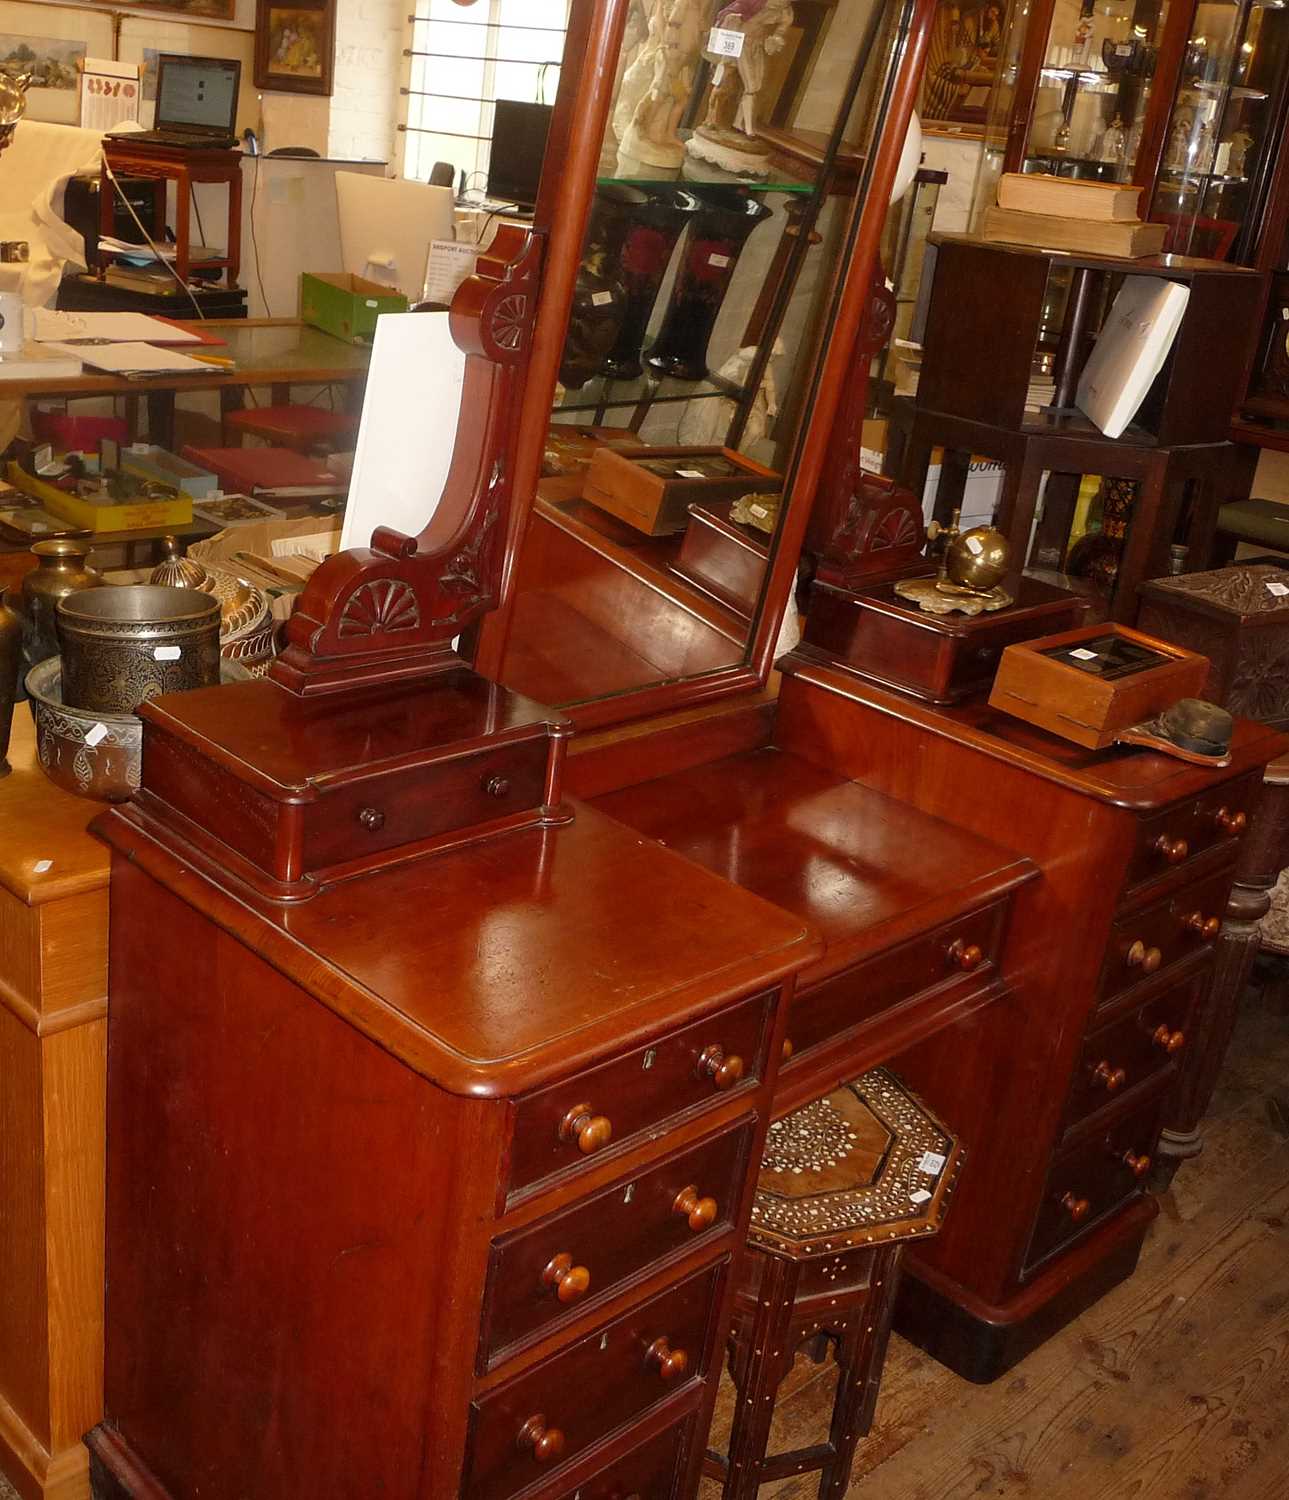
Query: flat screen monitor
point(386, 225)
point(519, 134)
point(197, 91)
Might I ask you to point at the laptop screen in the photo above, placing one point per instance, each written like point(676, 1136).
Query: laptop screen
point(197, 91)
point(518, 148)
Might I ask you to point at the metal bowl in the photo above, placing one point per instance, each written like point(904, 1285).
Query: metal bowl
point(121, 645)
point(85, 751)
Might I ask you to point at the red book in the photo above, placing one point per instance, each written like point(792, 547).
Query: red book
point(246, 470)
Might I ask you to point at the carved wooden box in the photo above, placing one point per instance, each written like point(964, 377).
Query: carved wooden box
point(1239, 618)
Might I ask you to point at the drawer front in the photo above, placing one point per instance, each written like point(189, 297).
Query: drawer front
point(1133, 1050)
point(653, 1471)
point(355, 821)
point(1090, 1182)
point(968, 945)
point(1164, 933)
point(545, 1274)
point(604, 1108)
point(1171, 838)
point(557, 1410)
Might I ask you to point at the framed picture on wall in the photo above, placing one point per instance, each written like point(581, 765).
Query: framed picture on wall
point(295, 46)
point(206, 10)
point(963, 58)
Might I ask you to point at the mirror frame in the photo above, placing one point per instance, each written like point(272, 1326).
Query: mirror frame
point(588, 82)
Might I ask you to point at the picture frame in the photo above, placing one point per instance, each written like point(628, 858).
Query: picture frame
point(194, 10)
point(295, 45)
point(964, 58)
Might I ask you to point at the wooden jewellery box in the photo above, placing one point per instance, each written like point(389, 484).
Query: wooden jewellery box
point(1089, 684)
point(653, 488)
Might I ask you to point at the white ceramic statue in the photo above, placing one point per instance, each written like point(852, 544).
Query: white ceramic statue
point(727, 137)
point(649, 144)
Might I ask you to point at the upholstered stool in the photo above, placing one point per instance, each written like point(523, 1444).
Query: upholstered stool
point(307, 429)
point(845, 1183)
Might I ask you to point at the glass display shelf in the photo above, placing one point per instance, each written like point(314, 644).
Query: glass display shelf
point(602, 393)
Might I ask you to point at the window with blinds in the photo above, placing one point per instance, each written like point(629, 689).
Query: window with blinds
point(460, 59)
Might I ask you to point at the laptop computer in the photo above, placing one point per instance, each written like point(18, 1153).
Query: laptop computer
point(196, 104)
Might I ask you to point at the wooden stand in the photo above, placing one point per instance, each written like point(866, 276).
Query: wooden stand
point(166, 164)
point(722, 558)
point(53, 1004)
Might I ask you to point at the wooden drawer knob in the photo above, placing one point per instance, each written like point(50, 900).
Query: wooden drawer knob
point(671, 1363)
point(787, 1048)
point(567, 1281)
point(1169, 1041)
point(1110, 1079)
point(546, 1442)
point(372, 819)
point(1077, 1208)
point(1230, 822)
point(1173, 850)
point(496, 786)
point(1204, 928)
point(1143, 958)
point(724, 1071)
point(701, 1212)
point(592, 1132)
point(1137, 1165)
point(965, 956)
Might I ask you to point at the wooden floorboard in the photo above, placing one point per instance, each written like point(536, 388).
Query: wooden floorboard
point(1173, 1387)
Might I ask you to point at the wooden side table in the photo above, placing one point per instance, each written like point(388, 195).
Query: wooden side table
point(53, 1006)
point(185, 169)
point(845, 1183)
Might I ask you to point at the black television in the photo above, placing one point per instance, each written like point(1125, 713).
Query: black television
point(519, 134)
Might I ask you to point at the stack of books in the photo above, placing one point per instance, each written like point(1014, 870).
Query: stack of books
point(1062, 213)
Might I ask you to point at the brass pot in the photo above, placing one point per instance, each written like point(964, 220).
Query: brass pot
point(61, 569)
point(10, 669)
point(122, 645)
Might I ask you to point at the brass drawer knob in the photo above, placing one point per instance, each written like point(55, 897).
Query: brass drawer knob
point(965, 956)
point(1233, 823)
point(1169, 1041)
point(701, 1212)
point(1173, 850)
point(1204, 928)
point(546, 1442)
point(1110, 1079)
point(496, 786)
point(1077, 1208)
point(1140, 957)
point(671, 1363)
point(724, 1071)
point(1137, 1165)
point(567, 1281)
point(372, 819)
point(592, 1132)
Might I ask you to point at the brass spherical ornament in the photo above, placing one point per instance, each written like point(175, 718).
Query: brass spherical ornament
point(978, 559)
point(13, 104)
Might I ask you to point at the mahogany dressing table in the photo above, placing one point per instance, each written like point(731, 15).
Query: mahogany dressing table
point(436, 1094)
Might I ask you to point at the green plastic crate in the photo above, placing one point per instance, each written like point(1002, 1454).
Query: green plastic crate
point(346, 306)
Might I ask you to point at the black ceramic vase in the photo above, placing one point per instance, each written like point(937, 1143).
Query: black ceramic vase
point(717, 236)
point(599, 297)
point(645, 255)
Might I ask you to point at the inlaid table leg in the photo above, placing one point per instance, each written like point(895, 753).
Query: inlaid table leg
point(764, 1363)
point(860, 1356)
point(1264, 852)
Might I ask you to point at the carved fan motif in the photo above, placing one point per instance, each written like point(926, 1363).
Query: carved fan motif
point(897, 528)
point(510, 322)
point(380, 608)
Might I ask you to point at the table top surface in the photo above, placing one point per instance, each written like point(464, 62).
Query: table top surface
point(46, 851)
point(265, 351)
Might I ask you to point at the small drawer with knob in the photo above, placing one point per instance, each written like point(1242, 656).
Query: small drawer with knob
point(524, 1430)
point(1168, 840)
point(547, 1273)
point(1093, 1179)
point(1133, 1050)
point(652, 1471)
point(364, 818)
point(966, 947)
point(1150, 939)
point(603, 1109)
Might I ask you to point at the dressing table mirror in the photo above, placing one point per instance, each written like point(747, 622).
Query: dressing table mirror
point(690, 387)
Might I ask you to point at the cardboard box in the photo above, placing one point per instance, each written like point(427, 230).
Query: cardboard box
point(168, 468)
point(265, 552)
point(346, 306)
point(107, 515)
